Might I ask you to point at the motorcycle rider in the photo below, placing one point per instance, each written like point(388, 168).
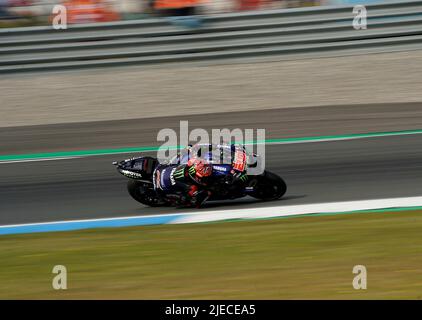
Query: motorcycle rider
point(191, 179)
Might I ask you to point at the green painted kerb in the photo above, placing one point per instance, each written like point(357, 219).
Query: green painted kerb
point(85, 153)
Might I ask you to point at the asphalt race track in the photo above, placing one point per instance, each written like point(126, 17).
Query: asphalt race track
point(83, 188)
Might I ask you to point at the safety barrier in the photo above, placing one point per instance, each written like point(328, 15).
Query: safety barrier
point(282, 33)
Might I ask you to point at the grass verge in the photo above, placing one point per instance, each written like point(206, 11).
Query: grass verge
point(303, 257)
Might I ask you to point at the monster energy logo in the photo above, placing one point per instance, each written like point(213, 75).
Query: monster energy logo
point(243, 178)
point(191, 170)
point(179, 173)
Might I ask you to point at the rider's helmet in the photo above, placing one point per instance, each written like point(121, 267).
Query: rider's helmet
point(201, 166)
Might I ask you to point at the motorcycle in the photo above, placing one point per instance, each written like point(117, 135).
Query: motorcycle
point(140, 171)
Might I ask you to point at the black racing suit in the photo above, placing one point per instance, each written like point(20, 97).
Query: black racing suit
point(181, 179)
point(193, 186)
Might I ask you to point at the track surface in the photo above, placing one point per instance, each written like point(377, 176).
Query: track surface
point(315, 172)
point(278, 123)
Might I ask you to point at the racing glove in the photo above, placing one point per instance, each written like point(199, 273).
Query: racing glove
point(236, 176)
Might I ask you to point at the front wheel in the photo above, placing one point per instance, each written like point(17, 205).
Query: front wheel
point(269, 187)
point(143, 193)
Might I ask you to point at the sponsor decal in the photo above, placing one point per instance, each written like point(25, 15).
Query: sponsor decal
point(219, 168)
point(173, 182)
point(239, 161)
point(179, 173)
point(131, 174)
point(243, 178)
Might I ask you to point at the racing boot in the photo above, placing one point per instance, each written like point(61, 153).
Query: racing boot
point(199, 198)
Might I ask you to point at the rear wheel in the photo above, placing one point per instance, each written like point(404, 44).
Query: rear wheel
point(269, 187)
point(143, 193)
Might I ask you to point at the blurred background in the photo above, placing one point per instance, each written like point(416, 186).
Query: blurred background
point(15, 13)
point(124, 70)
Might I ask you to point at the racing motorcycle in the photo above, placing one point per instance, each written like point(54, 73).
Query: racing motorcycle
point(140, 171)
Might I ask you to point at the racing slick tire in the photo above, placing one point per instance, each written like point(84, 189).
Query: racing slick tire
point(143, 193)
point(269, 187)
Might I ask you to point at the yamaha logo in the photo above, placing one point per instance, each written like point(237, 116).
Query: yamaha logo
point(131, 174)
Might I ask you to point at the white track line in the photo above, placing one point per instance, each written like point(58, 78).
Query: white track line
point(41, 159)
point(215, 215)
point(283, 211)
point(289, 141)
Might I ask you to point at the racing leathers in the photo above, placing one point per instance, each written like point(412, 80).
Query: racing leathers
point(183, 181)
point(190, 180)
